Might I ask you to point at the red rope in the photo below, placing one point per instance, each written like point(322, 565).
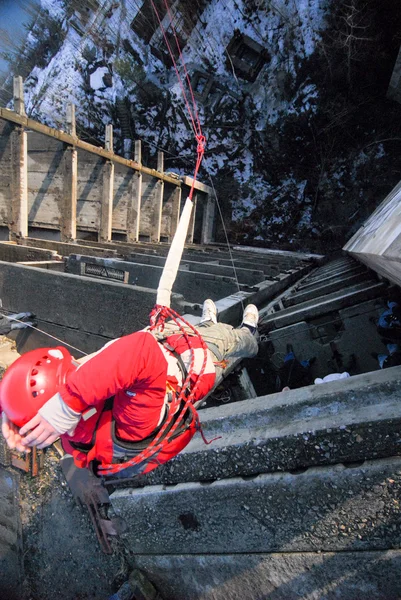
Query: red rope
point(193, 112)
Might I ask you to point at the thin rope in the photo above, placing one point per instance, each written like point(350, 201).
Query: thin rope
point(195, 108)
point(224, 229)
point(46, 333)
point(192, 111)
point(192, 117)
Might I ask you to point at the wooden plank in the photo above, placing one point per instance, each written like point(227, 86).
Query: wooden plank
point(135, 199)
point(69, 210)
point(106, 213)
point(158, 203)
point(18, 93)
point(134, 208)
point(200, 187)
point(19, 183)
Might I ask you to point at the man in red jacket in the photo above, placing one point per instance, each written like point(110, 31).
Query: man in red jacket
point(138, 373)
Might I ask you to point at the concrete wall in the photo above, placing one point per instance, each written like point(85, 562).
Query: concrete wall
point(298, 497)
point(79, 311)
point(51, 181)
point(378, 242)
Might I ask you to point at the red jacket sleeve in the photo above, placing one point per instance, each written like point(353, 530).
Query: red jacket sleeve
point(114, 368)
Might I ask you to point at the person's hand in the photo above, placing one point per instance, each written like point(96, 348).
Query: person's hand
point(11, 435)
point(40, 433)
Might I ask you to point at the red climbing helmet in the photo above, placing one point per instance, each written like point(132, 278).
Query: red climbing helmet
point(32, 380)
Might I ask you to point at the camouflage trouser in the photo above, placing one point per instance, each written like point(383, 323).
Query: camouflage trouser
point(222, 340)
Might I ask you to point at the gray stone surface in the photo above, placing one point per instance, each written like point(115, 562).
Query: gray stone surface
point(321, 306)
point(326, 287)
point(291, 576)
point(64, 248)
point(85, 307)
point(344, 421)
point(11, 561)
point(309, 283)
point(194, 286)
point(327, 509)
point(249, 275)
point(14, 253)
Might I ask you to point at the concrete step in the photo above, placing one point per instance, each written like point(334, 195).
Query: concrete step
point(290, 576)
point(314, 308)
point(319, 275)
point(306, 285)
point(331, 509)
point(342, 421)
point(325, 288)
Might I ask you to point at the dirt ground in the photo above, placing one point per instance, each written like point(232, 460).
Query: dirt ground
point(62, 556)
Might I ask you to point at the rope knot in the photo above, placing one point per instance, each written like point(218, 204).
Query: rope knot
point(200, 138)
point(158, 317)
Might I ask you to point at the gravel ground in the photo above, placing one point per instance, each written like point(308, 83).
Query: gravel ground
point(62, 556)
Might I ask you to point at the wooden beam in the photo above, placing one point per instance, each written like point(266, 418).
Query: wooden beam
point(18, 94)
point(68, 225)
point(135, 197)
point(134, 207)
point(106, 216)
point(19, 184)
point(62, 136)
point(158, 207)
point(70, 121)
point(108, 144)
point(201, 187)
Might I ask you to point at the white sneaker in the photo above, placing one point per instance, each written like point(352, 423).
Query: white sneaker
point(250, 317)
point(209, 311)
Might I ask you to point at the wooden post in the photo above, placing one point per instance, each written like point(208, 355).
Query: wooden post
point(18, 93)
point(108, 144)
point(106, 217)
point(19, 184)
point(70, 175)
point(175, 211)
point(209, 208)
point(135, 196)
point(19, 168)
point(159, 191)
point(191, 226)
point(138, 152)
point(71, 124)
